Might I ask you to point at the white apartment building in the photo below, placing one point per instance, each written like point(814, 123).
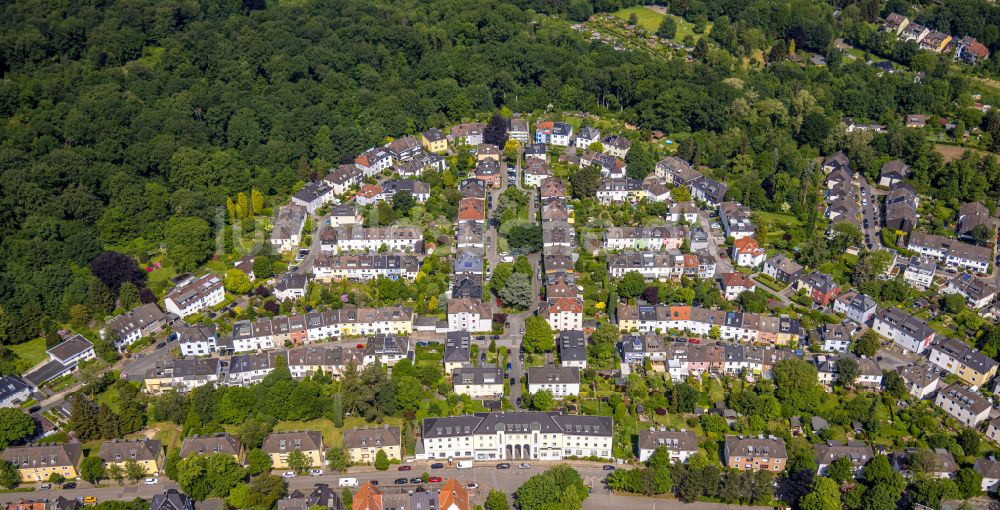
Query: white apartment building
point(194, 295)
point(517, 435)
point(470, 315)
point(363, 267)
point(681, 444)
point(196, 340)
point(963, 404)
point(907, 332)
point(370, 239)
point(561, 381)
point(478, 382)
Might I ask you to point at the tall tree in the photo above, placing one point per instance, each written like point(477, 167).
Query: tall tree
point(114, 269)
point(538, 335)
point(15, 426)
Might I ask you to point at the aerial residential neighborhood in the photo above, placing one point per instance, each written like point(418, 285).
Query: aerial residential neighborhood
point(533, 255)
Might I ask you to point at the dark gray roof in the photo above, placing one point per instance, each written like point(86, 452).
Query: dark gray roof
point(677, 441)
point(477, 375)
point(217, 443)
point(171, 499)
point(371, 436)
point(553, 375)
point(572, 346)
point(70, 347)
point(457, 347)
point(10, 385)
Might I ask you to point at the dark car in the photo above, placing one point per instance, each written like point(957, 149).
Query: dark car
point(508, 365)
point(608, 467)
point(402, 481)
point(69, 485)
point(482, 356)
point(34, 409)
point(172, 337)
point(518, 403)
point(503, 465)
point(416, 480)
point(161, 345)
point(437, 465)
point(373, 482)
point(404, 468)
point(495, 337)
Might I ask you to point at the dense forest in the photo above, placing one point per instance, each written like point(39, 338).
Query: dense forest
point(126, 126)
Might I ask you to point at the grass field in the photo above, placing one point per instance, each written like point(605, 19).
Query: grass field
point(650, 20)
point(29, 353)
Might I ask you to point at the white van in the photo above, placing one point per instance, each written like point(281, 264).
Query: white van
point(348, 482)
point(464, 464)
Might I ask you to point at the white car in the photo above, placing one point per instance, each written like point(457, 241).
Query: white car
point(288, 474)
point(315, 472)
point(472, 485)
point(523, 465)
point(151, 481)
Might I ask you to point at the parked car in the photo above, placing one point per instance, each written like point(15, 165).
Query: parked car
point(34, 409)
point(416, 480)
point(315, 472)
point(45, 486)
point(401, 481)
point(608, 467)
point(472, 485)
point(161, 345)
point(503, 465)
point(518, 403)
point(90, 500)
point(523, 465)
point(482, 356)
point(508, 365)
point(694, 340)
point(404, 468)
point(69, 485)
point(151, 481)
point(434, 479)
point(373, 482)
point(288, 474)
point(360, 346)
point(437, 465)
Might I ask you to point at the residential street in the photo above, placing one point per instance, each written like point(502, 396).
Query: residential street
point(485, 474)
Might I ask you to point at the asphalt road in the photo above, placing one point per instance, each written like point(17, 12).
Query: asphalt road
point(484, 474)
point(870, 214)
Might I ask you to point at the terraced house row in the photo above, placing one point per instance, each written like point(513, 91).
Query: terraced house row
point(682, 360)
point(358, 268)
point(563, 304)
point(265, 334)
point(247, 369)
point(735, 326)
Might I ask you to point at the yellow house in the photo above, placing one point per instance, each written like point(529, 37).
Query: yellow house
point(434, 141)
point(208, 445)
point(148, 453)
point(364, 444)
point(279, 444)
point(36, 463)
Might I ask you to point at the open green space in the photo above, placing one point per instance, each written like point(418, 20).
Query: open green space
point(648, 18)
point(29, 353)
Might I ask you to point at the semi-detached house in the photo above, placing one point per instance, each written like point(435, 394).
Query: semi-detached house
point(370, 239)
point(143, 320)
point(963, 360)
point(963, 404)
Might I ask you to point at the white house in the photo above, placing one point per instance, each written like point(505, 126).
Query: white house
point(587, 136)
point(314, 195)
point(919, 272)
point(292, 286)
point(736, 283)
point(561, 381)
point(143, 320)
point(905, 331)
point(857, 307)
point(478, 382)
point(680, 444)
point(470, 315)
point(197, 340)
point(989, 469)
point(562, 313)
point(920, 380)
point(287, 231)
point(572, 349)
point(747, 253)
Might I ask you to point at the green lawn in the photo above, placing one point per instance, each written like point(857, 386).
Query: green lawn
point(685, 28)
point(648, 19)
point(29, 353)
